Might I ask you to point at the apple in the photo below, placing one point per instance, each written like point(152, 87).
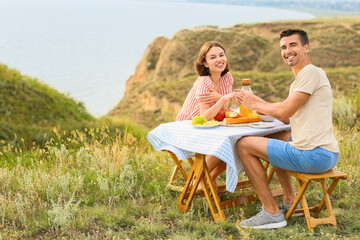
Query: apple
point(221, 115)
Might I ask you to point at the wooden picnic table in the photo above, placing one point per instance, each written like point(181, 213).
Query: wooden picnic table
point(185, 141)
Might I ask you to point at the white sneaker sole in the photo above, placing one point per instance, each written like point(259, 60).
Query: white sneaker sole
point(266, 226)
point(297, 214)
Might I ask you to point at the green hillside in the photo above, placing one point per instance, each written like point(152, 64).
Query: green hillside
point(30, 109)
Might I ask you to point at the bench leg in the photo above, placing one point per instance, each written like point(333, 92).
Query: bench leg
point(301, 196)
point(302, 189)
point(311, 221)
point(305, 204)
point(329, 192)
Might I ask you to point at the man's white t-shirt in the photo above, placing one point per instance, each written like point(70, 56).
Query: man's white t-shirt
point(311, 125)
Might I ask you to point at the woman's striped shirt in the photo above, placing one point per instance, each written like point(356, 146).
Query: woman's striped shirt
point(203, 84)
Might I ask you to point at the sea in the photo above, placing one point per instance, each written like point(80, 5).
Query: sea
point(88, 49)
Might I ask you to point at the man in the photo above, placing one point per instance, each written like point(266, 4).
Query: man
point(310, 147)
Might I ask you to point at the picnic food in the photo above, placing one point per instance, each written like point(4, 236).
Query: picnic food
point(250, 118)
point(209, 123)
point(233, 114)
point(221, 114)
point(198, 120)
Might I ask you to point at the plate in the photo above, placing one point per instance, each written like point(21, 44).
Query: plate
point(261, 125)
point(234, 124)
point(196, 126)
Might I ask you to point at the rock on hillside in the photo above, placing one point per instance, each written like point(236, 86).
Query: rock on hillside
point(166, 72)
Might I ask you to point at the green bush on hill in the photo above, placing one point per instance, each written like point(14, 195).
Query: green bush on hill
point(30, 109)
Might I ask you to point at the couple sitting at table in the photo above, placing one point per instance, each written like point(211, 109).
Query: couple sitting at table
point(310, 147)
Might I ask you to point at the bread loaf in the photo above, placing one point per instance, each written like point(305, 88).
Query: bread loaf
point(242, 120)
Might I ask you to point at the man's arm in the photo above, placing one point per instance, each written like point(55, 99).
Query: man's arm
point(280, 110)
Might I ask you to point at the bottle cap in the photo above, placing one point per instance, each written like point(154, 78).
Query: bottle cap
point(245, 82)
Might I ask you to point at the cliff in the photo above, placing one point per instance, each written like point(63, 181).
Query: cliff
point(166, 73)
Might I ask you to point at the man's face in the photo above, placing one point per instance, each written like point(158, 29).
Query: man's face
point(292, 51)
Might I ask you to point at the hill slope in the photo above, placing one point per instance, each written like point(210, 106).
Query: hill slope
point(166, 73)
point(29, 109)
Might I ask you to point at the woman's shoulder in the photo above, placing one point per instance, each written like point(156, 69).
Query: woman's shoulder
point(228, 74)
point(227, 77)
point(205, 80)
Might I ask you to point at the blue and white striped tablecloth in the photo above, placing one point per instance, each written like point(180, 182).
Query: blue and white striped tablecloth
point(184, 140)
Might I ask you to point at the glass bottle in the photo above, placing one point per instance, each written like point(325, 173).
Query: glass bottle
point(244, 112)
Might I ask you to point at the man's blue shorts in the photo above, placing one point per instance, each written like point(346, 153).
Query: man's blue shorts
point(281, 154)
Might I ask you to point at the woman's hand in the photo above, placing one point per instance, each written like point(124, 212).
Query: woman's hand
point(211, 96)
point(210, 112)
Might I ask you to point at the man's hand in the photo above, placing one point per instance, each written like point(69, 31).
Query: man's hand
point(212, 96)
point(236, 99)
point(247, 99)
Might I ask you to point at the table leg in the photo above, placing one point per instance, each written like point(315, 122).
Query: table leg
point(199, 170)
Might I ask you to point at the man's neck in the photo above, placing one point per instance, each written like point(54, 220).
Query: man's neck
point(298, 67)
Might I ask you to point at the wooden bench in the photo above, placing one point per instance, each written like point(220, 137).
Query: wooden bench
point(303, 180)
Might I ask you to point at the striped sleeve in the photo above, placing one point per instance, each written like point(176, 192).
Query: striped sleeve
point(204, 86)
point(226, 83)
point(230, 81)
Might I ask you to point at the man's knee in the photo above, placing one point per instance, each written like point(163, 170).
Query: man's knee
point(254, 146)
point(242, 143)
point(243, 146)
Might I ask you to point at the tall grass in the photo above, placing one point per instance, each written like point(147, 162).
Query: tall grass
point(108, 183)
point(346, 110)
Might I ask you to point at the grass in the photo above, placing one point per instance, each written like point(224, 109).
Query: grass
point(109, 183)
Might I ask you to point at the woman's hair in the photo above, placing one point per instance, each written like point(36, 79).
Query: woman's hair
point(200, 61)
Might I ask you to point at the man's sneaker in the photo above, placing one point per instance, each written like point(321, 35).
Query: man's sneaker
point(263, 220)
point(286, 207)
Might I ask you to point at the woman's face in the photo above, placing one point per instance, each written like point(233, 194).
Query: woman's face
point(215, 60)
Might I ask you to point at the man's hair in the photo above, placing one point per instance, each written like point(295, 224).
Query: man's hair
point(291, 31)
point(200, 61)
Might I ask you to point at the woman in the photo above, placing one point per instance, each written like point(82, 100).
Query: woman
point(213, 89)
point(211, 92)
